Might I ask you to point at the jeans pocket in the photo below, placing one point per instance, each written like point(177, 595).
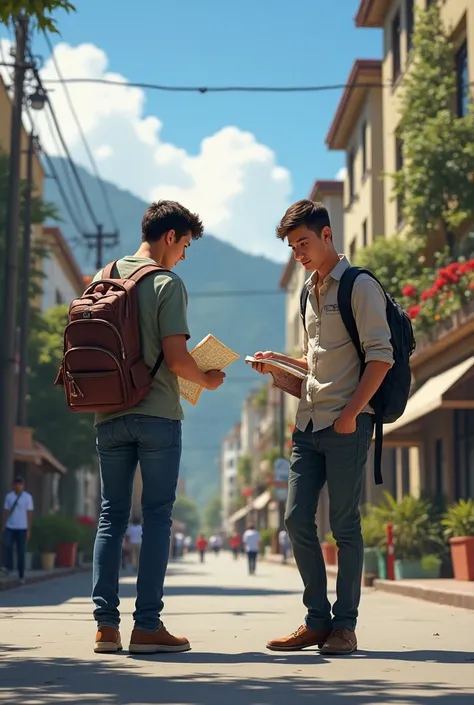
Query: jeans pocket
point(157, 434)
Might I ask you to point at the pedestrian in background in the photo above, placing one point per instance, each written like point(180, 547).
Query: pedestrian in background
point(251, 540)
point(201, 547)
point(16, 526)
point(235, 545)
point(284, 543)
point(134, 534)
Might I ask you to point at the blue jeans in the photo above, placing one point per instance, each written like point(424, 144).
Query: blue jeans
point(122, 443)
point(16, 537)
point(338, 459)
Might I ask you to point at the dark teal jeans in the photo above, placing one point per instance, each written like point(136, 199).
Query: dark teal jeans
point(338, 459)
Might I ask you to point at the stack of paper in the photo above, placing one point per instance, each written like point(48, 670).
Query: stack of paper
point(209, 354)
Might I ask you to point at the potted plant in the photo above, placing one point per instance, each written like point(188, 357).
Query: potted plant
point(373, 534)
point(329, 549)
point(85, 547)
point(43, 541)
point(416, 536)
point(458, 522)
point(67, 539)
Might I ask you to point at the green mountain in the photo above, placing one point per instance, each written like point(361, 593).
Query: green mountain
point(245, 323)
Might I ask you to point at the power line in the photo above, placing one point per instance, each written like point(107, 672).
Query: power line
point(82, 135)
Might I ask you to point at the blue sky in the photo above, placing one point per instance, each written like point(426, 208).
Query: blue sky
point(252, 42)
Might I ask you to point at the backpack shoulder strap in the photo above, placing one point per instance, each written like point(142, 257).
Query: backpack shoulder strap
point(107, 270)
point(344, 301)
point(303, 301)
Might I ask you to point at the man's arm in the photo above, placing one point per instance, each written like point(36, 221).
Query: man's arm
point(370, 313)
point(174, 332)
point(182, 364)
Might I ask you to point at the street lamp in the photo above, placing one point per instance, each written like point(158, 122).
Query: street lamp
point(37, 99)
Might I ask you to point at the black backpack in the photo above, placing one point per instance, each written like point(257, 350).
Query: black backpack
point(390, 401)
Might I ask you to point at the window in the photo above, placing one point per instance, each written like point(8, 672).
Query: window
point(352, 248)
point(364, 233)
point(410, 22)
point(398, 167)
point(396, 32)
point(462, 81)
point(350, 174)
point(363, 141)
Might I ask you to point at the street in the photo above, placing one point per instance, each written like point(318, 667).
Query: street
point(410, 651)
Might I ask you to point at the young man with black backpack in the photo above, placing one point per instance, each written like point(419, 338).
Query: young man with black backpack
point(357, 343)
point(125, 346)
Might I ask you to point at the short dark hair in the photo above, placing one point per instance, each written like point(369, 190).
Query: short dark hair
point(163, 216)
point(310, 213)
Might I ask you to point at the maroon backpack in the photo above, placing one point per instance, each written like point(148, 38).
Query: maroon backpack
point(102, 369)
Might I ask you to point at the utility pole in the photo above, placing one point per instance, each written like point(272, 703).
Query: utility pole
point(99, 241)
point(7, 349)
point(22, 412)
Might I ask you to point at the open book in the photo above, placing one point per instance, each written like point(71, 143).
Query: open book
point(209, 354)
point(287, 376)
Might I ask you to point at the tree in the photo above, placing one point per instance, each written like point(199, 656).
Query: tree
point(213, 515)
point(394, 261)
point(436, 181)
point(39, 11)
point(186, 511)
point(40, 211)
point(244, 470)
point(70, 437)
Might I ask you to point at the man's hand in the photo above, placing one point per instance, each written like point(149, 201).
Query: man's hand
point(214, 379)
point(260, 366)
point(345, 423)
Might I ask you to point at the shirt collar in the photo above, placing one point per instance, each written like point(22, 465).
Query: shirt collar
point(336, 273)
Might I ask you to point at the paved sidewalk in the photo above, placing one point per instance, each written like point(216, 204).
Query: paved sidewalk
point(411, 652)
point(10, 581)
point(455, 593)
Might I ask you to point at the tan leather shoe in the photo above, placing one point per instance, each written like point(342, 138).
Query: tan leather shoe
point(160, 641)
point(340, 643)
point(301, 639)
point(107, 640)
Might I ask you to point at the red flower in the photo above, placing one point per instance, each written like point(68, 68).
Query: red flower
point(409, 290)
point(413, 311)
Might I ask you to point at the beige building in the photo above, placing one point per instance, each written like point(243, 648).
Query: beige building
point(357, 129)
point(397, 19)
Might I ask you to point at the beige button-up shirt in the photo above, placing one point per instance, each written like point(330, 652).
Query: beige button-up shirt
point(333, 362)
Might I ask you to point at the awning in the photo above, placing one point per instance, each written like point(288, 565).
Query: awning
point(239, 514)
point(261, 501)
point(432, 396)
point(28, 451)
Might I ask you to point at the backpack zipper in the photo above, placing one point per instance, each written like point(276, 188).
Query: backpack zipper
point(70, 376)
point(111, 325)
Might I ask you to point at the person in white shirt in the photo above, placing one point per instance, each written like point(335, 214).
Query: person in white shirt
point(251, 540)
point(284, 543)
point(16, 525)
point(134, 535)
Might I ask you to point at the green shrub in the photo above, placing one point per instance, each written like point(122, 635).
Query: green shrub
point(458, 520)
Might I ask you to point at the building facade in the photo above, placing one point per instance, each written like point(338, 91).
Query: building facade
point(230, 454)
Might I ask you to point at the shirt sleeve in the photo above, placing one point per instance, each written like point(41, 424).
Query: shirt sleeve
point(172, 309)
point(369, 305)
point(29, 504)
point(7, 504)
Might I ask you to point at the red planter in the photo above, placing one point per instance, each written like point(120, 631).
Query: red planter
point(66, 555)
point(462, 555)
point(329, 553)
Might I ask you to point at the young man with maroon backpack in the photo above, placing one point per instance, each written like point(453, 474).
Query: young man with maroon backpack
point(125, 346)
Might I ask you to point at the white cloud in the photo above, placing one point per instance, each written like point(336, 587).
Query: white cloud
point(342, 173)
point(233, 181)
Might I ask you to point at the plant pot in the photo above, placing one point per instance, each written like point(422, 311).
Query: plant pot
point(370, 561)
point(329, 553)
point(381, 564)
point(413, 570)
point(47, 561)
point(66, 554)
point(462, 554)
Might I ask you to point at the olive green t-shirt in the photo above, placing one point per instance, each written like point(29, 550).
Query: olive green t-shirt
point(162, 308)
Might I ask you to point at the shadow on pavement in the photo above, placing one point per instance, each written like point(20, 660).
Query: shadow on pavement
point(63, 680)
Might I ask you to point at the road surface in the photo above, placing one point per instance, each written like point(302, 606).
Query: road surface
point(410, 652)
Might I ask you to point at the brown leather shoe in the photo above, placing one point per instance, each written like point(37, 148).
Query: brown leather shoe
point(156, 642)
point(340, 642)
point(301, 639)
point(107, 640)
